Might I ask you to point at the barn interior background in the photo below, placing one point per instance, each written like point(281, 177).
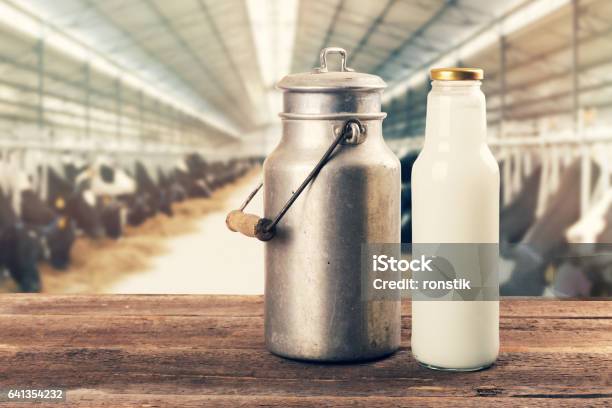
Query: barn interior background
point(128, 129)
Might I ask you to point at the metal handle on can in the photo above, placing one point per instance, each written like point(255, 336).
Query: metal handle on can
point(264, 229)
point(335, 50)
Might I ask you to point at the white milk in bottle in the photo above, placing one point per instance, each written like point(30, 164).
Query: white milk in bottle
point(455, 199)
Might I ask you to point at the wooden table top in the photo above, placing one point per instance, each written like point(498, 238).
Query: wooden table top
point(171, 351)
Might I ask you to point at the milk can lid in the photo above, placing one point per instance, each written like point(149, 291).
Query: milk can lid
point(322, 80)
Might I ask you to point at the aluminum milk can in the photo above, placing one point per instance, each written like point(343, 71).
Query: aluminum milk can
point(344, 185)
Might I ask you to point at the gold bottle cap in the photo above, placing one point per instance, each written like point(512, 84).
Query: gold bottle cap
point(457, 74)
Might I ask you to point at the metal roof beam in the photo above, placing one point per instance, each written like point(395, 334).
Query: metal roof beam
point(106, 97)
point(147, 32)
point(380, 52)
point(377, 21)
point(538, 114)
point(512, 19)
point(553, 97)
point(215, 29)
point(418, 33)
point(183, 44)
point(104, 65)
point(537, 58)
point(428, 47)
point(135, 41)
point(330, 29)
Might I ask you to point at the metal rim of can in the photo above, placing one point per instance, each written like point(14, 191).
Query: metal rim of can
point(333, 116)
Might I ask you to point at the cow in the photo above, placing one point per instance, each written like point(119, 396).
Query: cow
point(55, 233)
point(192, 173)
point(216, 173)
point(208, 176)
point(406, 208)
point(19, 248)
point(108, 183)
point(148, 198)
point(407, 162)
point(173, 190)
point(77, 203)
point(545, 243)
point(520, 214)
point(147, 184)
point(588, 268)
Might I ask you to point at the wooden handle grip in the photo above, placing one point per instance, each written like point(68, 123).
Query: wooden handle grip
point(250, 225)
point(243, 223)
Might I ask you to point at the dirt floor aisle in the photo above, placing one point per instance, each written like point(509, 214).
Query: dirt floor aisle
point(210, 260)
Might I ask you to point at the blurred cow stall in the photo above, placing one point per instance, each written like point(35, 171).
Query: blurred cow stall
point(555, 213)
point(555, 231)
point(48, 200)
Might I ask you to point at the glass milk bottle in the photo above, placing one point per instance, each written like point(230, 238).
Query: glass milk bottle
point(455, 200)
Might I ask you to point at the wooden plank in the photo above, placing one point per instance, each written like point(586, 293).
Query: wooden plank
point(135, 350)
point(222, 305)
point(542, 308)
point(526, 334)
point(130, 305)
point(105, 400)
point(137, 331)
point(164, 371)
